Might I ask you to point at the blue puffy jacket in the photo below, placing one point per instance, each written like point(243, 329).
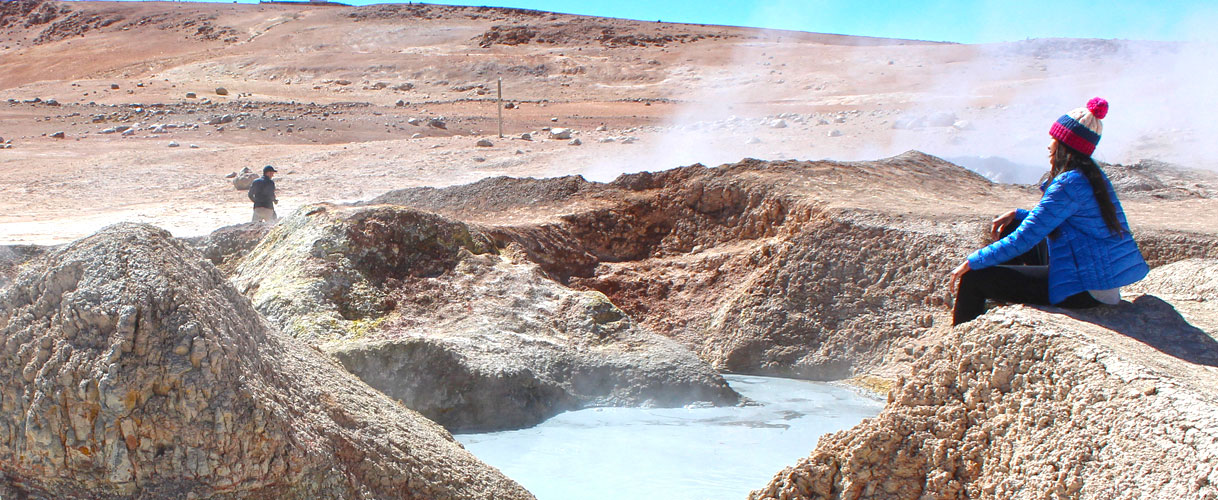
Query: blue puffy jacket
point(1084, 255)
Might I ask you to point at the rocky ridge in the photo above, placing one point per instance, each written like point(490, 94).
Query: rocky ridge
point(1032, 403)
point(818, 270)
point(512, 299)
point(432, 312)
point(135, 370)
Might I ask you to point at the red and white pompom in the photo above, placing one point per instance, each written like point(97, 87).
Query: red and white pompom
point(1098, 107)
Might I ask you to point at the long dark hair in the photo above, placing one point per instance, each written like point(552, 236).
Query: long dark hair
point(1063, 158)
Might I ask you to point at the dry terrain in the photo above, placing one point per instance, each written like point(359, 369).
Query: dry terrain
point(315, 90)
point(667, 202)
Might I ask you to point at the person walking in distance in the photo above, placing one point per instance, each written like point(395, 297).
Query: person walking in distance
point(262, 193)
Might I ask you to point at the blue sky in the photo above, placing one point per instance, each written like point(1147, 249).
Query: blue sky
point(976, 21)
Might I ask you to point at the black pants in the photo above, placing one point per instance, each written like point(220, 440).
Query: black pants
point(1014, 284)
point(1022, 280)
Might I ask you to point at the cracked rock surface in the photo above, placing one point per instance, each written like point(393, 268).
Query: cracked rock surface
point(1029, 403)
point(435, 314)
point(133, 369)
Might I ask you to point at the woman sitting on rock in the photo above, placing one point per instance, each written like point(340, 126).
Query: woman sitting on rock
point(1091, 251)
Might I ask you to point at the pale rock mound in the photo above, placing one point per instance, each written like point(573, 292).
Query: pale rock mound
point(225, 247)
point(425, 309)
point(133, 369)
point(13, 258)
point(1022, 403)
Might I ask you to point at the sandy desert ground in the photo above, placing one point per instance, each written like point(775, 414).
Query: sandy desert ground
point(328, 95)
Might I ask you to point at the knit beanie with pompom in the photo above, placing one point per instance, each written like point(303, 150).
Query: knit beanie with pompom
point(1081, 128)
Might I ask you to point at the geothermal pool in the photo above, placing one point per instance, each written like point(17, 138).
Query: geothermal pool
point(674, 453)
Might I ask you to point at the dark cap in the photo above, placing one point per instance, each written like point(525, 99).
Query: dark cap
point(268, 168)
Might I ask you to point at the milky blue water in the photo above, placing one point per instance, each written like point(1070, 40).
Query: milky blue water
point(674, 453)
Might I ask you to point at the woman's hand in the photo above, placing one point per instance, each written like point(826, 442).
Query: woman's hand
point(1000, 222)
point(958, 273)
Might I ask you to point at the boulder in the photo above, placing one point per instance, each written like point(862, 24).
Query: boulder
point(484, 143)
point(438, 122)
point(154, 378)
point(428, 310)
point(221, 91)
point(413, 121)
point(575, 142)
point(780, 123)
point(219, 120)
point(58, 135)
point(243, 179)
point(191, 95)
point(561, 134)
point(174, 144)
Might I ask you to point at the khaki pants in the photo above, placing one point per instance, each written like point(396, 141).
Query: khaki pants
point(264, 215)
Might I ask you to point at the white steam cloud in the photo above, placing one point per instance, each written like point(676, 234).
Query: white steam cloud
point(988, 107)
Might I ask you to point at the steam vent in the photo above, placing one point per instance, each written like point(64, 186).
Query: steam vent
point(668, 208)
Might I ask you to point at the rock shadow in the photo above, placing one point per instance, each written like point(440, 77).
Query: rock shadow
point(1156, 323)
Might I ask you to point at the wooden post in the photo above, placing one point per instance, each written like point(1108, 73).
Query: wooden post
point(499, 106)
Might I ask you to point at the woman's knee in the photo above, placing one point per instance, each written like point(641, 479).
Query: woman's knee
point(969, 281)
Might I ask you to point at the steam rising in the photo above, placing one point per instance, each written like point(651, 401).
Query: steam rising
point(987, 107)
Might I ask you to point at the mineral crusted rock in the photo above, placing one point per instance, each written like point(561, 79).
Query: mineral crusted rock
point(1114, 402)
point(133, 369)
point(225, 247)
point(428, 310)
point(818, 270)
point(13, 258)
point(787, 287)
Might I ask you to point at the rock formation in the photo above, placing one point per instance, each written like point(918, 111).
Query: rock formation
point(434, 313)
point(14, 257)
point(133, 369)
point(751, 265)
point(1021, 403)
point(817, 270)
point(225, 247)
point(496, 304)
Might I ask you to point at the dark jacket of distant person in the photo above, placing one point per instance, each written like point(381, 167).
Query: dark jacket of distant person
point(262, 192)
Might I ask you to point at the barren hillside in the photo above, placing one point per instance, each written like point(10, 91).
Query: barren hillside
point(667, 202)
point(111, 111)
